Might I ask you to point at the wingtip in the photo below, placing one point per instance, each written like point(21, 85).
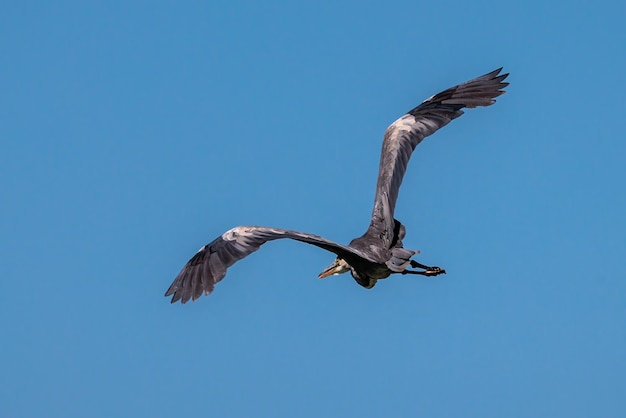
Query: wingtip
point(178, 295)
point(175, 298)
point(495, 75)
point(498, 78)
point(501, 77)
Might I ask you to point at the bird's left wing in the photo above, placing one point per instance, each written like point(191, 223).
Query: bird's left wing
point(210, 263)
point(402, 136)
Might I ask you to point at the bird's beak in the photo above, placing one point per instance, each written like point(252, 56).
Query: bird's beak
point(330, 270)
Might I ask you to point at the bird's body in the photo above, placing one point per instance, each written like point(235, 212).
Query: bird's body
point(379, 252)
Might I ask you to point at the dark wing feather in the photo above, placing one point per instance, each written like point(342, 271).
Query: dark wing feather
point(210, 263)
point(402, 136)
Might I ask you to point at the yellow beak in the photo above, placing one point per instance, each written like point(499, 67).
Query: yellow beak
point(335, 268)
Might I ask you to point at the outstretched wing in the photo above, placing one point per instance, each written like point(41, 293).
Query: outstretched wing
point(209, 265)
point(406, 133)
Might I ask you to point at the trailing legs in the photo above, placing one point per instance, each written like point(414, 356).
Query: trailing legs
point(428, 271)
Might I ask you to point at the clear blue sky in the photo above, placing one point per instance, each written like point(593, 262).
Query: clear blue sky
point(132, 133)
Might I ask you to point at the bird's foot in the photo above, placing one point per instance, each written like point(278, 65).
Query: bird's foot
point(434, 271)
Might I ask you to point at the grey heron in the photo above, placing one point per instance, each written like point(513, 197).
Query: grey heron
point(379, 252)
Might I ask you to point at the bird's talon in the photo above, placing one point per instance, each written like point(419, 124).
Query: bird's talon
point(434, 271)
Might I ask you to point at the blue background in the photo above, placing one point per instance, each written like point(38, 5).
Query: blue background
point(132, 133)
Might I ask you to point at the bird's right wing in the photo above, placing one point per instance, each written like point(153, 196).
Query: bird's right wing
point(402, 136)
point(210, 263)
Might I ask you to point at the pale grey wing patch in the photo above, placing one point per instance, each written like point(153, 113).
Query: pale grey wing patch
point(208, 266)
point(400, 259)
point(404, 135)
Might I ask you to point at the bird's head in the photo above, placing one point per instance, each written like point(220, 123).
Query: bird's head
point(339, 266)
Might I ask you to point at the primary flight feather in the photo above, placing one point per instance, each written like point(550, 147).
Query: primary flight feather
point(379, 252)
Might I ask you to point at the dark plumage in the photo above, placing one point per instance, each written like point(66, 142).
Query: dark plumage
point(379, 252)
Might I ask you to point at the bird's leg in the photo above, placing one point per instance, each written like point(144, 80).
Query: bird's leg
point(434, 272)
point(417, 265)
point(428, 271)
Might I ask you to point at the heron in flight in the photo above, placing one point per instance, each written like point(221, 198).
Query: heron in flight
point(379, 252)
